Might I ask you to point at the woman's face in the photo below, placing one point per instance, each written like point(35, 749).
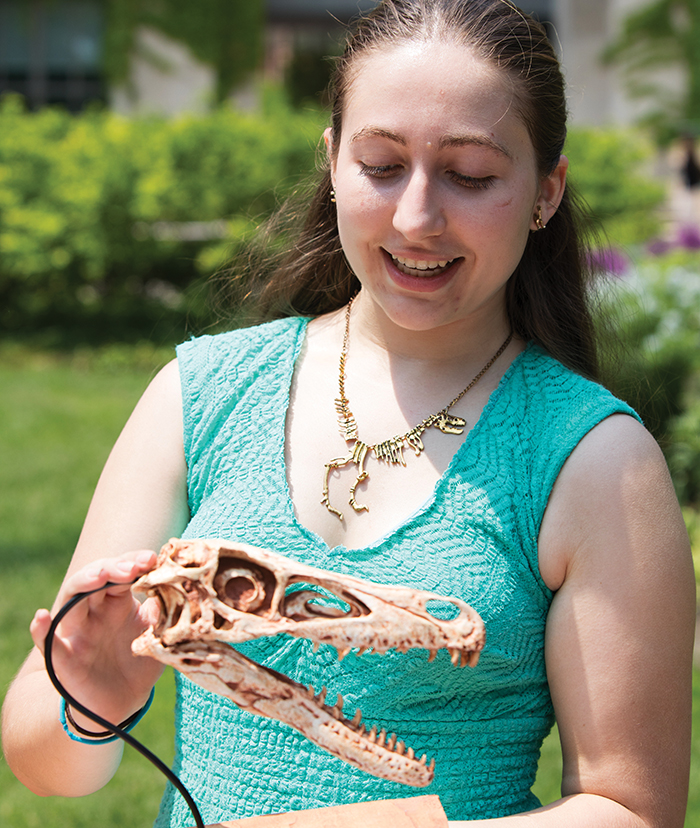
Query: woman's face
point(436, 184)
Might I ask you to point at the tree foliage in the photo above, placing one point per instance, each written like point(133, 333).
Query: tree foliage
point(661, 34)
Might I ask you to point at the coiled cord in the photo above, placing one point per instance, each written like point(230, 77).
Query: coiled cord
point(112, 728)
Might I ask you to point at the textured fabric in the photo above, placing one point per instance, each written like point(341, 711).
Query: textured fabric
point(476, 538)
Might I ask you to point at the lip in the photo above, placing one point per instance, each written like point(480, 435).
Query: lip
point(420, 284)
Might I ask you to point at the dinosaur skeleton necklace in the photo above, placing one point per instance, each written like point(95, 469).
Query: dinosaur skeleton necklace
point(390, 451)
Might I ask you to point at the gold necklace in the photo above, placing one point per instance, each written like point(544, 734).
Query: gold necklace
point(390, 451)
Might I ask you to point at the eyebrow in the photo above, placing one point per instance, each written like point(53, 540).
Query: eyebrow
point(446, 141)
point(473, 140)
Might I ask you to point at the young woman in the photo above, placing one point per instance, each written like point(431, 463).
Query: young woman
point(445, 217)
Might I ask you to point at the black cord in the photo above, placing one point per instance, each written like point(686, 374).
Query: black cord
point(112, 728)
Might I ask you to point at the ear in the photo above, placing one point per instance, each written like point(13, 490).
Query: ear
point(551, 192)
point(328, 140)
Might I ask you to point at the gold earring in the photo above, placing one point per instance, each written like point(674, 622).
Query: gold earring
point(333, 196)
point(538, 220)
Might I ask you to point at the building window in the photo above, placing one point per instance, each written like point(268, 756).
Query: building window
point(51, 51)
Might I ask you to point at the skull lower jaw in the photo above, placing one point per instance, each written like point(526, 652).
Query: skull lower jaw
point(221, 669)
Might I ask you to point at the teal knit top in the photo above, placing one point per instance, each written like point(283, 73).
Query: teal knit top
point(475, 538)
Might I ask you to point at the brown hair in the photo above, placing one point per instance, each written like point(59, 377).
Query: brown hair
point(546, 296)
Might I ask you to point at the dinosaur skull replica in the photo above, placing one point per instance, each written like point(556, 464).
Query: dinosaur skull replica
point(214, 593)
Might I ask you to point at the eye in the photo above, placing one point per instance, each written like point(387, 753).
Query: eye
point(379, 171)
point(470, 182)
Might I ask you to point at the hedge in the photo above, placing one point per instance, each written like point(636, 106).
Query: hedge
point(101, 212)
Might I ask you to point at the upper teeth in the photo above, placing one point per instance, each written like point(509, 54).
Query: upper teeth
point(412, 263)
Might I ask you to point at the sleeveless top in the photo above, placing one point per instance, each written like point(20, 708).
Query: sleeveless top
point(475, 538)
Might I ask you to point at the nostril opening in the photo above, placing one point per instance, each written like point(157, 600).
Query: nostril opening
point(177, 614)
point(442, 610)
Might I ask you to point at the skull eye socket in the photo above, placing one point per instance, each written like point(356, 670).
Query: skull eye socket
point(239, 588)
point(243, 586)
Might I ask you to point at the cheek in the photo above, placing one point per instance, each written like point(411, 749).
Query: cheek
point(360, 213)
point(512, 215)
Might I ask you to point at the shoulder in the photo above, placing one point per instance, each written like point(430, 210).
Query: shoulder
point(162, 398)
point(542, 376)
point(241, 341)
point(224, 360)
point(548, 409)
point(613, 492)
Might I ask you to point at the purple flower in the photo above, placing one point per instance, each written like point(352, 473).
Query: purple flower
point(658, 247)
point(689, 237)
point(609, 260)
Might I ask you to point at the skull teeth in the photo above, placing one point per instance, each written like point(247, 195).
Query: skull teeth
point(374, 735)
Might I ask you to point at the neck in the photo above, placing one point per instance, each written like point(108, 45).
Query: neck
point(408, 336)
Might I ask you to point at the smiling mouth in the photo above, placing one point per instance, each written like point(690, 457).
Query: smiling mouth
point(422, 268)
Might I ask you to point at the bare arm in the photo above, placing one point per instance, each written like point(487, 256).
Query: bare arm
point(140, 501)
point(619, 639)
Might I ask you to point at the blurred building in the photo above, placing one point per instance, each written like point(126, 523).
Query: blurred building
point(51, 53)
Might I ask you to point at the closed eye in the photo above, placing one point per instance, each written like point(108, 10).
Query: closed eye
point(379, 171)
point(471, 182)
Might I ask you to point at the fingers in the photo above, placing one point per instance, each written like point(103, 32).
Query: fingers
point(150, 611)
point(39, 627)
point(122, 570)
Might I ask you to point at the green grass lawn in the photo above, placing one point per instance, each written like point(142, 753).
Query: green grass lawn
point(58, 420)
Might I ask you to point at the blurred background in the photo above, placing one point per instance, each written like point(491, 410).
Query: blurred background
point(142, 142)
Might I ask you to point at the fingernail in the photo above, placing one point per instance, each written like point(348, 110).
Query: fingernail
point(125, 566)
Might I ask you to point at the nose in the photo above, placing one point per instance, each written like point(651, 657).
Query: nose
point(419, 212)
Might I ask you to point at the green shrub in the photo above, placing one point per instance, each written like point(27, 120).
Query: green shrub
point(607, 167)
point(82, 198)
point(656, 310)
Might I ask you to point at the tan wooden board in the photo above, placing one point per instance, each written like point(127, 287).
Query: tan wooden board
point(414, 812)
